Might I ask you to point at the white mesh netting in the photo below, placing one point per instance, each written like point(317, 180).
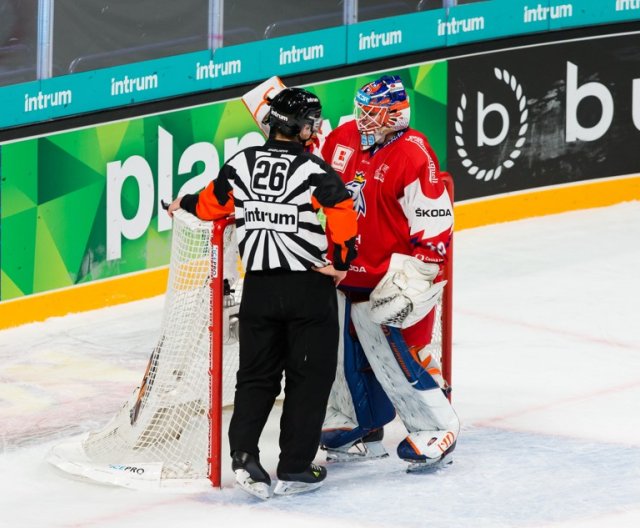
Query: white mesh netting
point(163, 429)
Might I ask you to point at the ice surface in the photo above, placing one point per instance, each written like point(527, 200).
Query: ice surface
point(546, 383)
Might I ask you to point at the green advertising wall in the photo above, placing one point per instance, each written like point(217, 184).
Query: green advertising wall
point(84, 205)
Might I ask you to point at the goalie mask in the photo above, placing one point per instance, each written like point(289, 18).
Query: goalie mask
point(382, 106)
point(294, 112)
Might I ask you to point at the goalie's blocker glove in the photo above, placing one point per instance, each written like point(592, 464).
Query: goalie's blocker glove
point(406, 293)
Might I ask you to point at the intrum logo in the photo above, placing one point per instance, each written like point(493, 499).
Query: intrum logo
point(508, 160)
point(295, 55)
point(278, 217)
point(377, 40)
point(279, 115)
point(212, 70)
point(627, 5)
point(42, 100)
point(128, 85)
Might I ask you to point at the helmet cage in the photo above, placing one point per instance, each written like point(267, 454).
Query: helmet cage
point(370, 118)
point(381, 107)
point(314, 120)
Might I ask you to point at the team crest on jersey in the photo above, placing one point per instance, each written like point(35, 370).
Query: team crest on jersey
point(341, 157)
point(355, 188)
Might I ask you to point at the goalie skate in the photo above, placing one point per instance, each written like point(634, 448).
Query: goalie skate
point(427, 451)
point(430, 465)
point(367, 448)
point(358, 451)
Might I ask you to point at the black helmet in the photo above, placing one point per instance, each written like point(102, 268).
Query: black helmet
point(292, 109)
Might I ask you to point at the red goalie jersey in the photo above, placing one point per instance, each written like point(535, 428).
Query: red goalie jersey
point(401, 201)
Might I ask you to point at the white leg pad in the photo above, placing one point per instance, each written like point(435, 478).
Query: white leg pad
point(341, 413)
point(419, 410)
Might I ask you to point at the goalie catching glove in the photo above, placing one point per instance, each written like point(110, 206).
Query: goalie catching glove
point(406, 293)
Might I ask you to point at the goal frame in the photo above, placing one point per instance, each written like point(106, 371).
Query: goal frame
point(217, 345)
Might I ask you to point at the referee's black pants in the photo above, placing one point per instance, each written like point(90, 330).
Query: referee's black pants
point(288, 323)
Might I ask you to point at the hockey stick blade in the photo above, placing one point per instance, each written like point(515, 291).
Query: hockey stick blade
point(147, 382)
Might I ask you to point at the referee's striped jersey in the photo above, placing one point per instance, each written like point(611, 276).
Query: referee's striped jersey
point(275, 192)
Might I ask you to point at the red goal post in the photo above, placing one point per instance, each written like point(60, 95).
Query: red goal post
point(447, 299)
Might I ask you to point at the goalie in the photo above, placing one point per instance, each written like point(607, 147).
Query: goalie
point(386, 301)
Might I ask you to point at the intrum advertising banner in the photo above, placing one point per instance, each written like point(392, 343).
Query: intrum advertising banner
point(544, 115)
point(200, 71)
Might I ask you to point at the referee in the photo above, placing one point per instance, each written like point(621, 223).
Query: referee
point(288, 312)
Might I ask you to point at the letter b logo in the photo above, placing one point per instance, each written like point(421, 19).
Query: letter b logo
point(483, 112)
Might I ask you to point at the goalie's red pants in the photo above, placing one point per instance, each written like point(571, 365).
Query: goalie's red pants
point(288, 323)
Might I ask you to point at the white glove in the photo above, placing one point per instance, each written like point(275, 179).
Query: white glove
point(406, 293)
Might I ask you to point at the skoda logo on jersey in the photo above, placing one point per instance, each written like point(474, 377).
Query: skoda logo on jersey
point(355, 188)
point(496, 148)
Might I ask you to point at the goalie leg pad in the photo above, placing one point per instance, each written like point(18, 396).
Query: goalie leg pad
point(357, 403)
point(423, 408)
point(415, 373)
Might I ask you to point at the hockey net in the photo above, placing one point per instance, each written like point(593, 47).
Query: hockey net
point(165, 433)
point(168, 433)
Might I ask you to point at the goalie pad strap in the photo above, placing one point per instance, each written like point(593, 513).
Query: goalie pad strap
point(415, 373)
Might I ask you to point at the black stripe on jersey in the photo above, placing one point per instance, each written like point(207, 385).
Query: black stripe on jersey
point(269, 243)
point(295, 192)
point(298, 162)
point(305, 262)
point(251, 237)
point(250, 155)
point(312, 228)
point(238, 204)
point(303, 243)
point(222, 185)
point(329, 187)
point(304, 207)
point(282, 258)
point(237, 181)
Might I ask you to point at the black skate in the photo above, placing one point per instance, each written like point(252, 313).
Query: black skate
point(307, 480)
point(250, 475)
